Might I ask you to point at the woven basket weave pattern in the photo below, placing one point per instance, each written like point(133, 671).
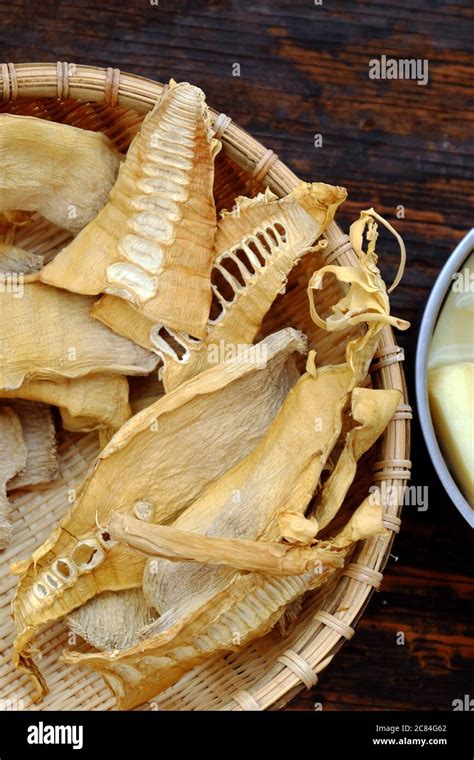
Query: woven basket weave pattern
point(266, 674)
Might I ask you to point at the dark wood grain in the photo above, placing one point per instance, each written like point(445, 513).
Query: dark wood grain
point(304, 70)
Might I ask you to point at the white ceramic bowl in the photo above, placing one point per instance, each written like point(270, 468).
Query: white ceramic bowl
point(432, 310)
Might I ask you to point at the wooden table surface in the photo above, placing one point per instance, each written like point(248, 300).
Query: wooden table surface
point(304, 71)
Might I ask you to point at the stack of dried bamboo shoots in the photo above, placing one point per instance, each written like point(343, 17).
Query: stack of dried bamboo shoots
point(212, 506)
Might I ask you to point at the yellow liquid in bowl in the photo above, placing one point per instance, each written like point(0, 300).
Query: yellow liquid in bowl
point(451, 379)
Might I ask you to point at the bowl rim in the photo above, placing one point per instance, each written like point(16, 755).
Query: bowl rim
point(430, 316)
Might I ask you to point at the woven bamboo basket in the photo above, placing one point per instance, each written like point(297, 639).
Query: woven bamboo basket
point(268, 673)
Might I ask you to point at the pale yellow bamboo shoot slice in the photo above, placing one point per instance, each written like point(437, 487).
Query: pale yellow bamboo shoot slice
point(100, 401)
point(63, 172)
point(152, 242)
point(48, 333)
point(373, 410)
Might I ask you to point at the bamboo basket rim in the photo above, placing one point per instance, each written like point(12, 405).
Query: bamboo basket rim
point(332, 625)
